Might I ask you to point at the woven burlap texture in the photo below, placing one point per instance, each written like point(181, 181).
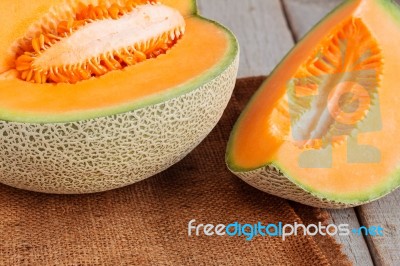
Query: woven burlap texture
point(146, 223)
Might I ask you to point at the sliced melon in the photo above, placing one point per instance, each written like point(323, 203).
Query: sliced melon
point(99, 94)
point(323, 129)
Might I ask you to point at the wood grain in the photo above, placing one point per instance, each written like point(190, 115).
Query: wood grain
point(354, 246)
point(385, 249)
point(261, 28)
point(303, 14)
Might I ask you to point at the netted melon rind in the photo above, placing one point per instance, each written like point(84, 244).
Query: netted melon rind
point(114, 151)
point(271, 180)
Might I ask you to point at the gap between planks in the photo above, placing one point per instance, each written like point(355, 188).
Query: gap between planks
point(260, 28)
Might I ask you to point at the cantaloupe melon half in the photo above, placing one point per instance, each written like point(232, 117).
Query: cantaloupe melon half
point(99, 94)
point(323, 129)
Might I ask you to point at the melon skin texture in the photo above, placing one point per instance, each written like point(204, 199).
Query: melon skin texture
point(272, 180)
point(264, 148)
point(114, 151)
point(97, 95)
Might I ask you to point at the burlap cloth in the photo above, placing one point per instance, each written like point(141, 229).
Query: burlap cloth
point(146, 223)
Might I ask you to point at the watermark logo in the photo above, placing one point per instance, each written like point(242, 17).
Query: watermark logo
point(281, 230)
point(332, 109)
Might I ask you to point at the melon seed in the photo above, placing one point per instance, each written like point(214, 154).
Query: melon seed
point(100, 39)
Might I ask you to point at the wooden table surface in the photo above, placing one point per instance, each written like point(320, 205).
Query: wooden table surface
point(266, 30)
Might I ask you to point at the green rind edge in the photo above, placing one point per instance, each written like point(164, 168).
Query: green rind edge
point(392, 8)
point(194, 9)
point(350, 198)
point(353, 198)
point(191, 85)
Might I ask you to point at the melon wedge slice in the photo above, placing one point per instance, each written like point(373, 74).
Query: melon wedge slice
point(323, 128)
point(96, 95)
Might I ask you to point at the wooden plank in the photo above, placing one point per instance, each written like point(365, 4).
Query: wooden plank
point(302, 15)
point(354, 246)
point(260, 27)
point(385, 213)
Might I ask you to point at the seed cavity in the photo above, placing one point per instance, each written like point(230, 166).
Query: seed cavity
point(100, 39)
point(332, 93)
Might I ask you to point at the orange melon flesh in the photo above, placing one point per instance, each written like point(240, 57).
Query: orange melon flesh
point(254, 143)
point(154, 81)
point(24, 13)
point(19, 98)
